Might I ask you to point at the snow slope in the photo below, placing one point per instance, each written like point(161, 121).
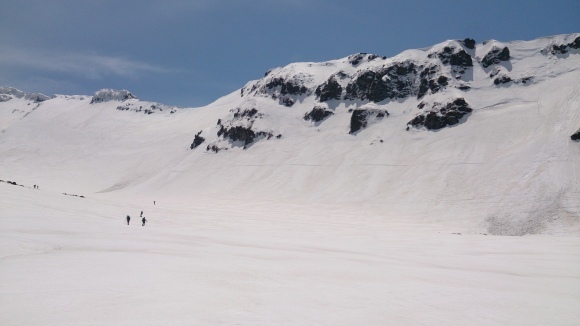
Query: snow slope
point(508, 166)
point(362, 190)
point(71, 261)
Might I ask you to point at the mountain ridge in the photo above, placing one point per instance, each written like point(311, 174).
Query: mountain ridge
point(460, 133)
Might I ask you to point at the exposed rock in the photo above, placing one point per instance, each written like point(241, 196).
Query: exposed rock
point(105, 95)
point(431, 80)
point(361, 117)
point(355, 59)
point(565, 48)
point(505, 79)
point(214, 148)
point(198, 140)
point(286, 101)
point(286, 86)
point(135, 107)
point(502, 79)
point(243, 134)
point(239, 128)
point(317, 114)
point(342, 75)
point(238, 133)
point(387, 82)
point(576, 135)
point(249, 114)
point(286, 90)
point(495, 56)
point(440, 115)
point(329, 90)
point(469, 43)
point(575, 44)
point(454, 56)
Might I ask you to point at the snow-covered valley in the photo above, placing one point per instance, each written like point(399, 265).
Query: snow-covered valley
point(437, 187)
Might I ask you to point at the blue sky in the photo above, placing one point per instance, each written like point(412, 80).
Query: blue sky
point(189, 53)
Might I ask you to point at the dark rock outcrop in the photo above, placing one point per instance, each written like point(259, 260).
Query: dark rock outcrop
point(239, 128)
point(355, 59)
point(243, 134)
point(454, 56)
point(361, 117)
point(502, 79)
point(440, 116)
point(317, 114)
point(198, 140)
point(249, 114)
point(286, 101)
point(286, 86)
point(576, 136)
point(214, 148)
point(495, 56)
point(155, 107)
point(287, 90)
point(387, 82)
point(565, 48)
point(329, 90)
point(469, 43)
point(505, 79)
point(432, 80)
point(238, 133)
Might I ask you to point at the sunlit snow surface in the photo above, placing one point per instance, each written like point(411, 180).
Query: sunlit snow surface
point(74, 261)
point(319, 227)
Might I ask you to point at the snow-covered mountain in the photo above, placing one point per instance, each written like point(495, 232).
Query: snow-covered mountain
point(478, 136)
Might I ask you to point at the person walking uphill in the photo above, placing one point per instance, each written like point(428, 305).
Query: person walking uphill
point(143, 220)
point(128, 219)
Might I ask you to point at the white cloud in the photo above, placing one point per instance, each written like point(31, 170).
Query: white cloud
point(88, 65)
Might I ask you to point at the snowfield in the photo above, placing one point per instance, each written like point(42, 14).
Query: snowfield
point(72, 261)
point(470, 215)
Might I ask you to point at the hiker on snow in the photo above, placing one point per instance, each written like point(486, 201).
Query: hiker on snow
point(128, 219)
point(141, 213)
point(143, 220)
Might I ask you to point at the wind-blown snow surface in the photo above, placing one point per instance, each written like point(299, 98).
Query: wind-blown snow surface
point(274, 219)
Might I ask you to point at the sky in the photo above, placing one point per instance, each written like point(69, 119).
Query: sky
point(190, 53)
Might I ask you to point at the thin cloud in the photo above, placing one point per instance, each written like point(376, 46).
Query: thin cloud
point(88, 65)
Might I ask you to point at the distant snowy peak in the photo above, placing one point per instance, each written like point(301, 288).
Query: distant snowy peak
point(106, 95)
point(7, 93)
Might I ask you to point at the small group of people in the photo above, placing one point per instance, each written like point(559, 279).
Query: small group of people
point(143, 220)
point(35, 187)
